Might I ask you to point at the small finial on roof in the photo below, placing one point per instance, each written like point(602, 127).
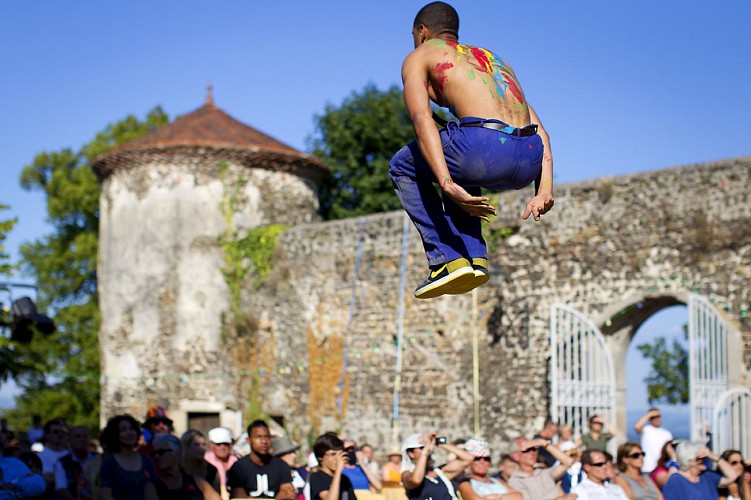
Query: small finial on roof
point(210, 94)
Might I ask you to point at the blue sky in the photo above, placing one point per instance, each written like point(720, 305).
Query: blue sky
point(622, 87)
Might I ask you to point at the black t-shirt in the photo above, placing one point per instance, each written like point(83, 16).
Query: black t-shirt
point(259, 480)
point(320, 481)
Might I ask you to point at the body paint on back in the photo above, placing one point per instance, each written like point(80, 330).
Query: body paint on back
point(440, 76)
point(487, 62)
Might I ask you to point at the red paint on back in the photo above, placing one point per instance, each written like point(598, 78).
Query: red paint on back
point(439, 71)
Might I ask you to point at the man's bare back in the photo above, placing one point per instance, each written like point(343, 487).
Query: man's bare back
point(472, 81)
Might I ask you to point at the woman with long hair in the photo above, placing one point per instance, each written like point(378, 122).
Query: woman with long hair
point(125, 473)
point(193, 462)
point(666, 464)
point(172, 482)
point(741, 488)
point(637, 484)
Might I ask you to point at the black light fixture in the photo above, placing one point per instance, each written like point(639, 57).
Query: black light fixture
point(25, 319)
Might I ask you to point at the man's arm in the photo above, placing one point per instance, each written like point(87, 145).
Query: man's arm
point(639, 425)
point(564, 459)
point(238, 492)
point(334, 492)
point(415, 77)
point(459, 464)
point(286, 492)
point(542, 202)
point(372, 478)
point(414, 478)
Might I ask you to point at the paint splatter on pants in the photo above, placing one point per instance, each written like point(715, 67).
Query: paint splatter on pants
point(476, 157)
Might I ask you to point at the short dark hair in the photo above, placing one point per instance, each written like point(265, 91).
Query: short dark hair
point(110, 437)
point(586, 458)
point(256, 423)
point(325, 442)
point(438, 17)
point(51, 423)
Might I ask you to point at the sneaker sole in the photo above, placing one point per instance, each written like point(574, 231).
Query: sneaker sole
point(478, 278)
point(458, 278)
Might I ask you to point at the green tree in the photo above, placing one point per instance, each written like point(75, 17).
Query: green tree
point(9, 362)
point(667, 382)
point(356, 142)
point(65, 379)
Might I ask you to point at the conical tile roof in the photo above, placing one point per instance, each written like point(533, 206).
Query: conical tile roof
point(209, 129)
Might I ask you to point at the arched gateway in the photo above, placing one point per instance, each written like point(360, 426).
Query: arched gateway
point(584, 381)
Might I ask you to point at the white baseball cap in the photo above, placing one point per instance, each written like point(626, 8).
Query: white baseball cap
point(220, 435)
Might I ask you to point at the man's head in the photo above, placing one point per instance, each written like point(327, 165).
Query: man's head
point(157, 421)
point(284, 448)
point(527, 453)
point(656, 418)
point(433, 20)
point(507, 466)
point(56, 434)
point(367, 451)
point(549, 430)
point(79, 439)
point(325, 449)
point(259, 438)
point(595, 464)
point(221, 442)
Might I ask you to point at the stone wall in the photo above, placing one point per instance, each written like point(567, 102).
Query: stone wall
point(333, 301)
point(607, 244)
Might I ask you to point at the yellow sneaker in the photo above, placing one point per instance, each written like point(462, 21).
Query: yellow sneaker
point(480, 276)
point(455, 274)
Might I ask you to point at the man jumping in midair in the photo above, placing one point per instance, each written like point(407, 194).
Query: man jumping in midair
point(499, 143)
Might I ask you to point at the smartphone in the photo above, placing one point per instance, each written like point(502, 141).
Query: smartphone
point(440, 440)
point(352, 458)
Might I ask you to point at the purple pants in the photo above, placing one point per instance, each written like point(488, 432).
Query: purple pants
point(476, 157)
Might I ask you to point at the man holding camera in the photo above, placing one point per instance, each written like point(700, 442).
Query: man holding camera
point(421, 478)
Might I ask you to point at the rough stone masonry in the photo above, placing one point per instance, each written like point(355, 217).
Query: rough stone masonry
point(318, 345)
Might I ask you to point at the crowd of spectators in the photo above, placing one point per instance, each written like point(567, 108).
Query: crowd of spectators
point(147, 461)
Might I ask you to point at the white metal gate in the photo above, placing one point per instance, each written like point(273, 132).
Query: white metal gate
point(731, 426)
point(708, 363)
point(582, 374)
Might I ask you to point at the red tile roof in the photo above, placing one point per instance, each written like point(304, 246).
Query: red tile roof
point(207, 128)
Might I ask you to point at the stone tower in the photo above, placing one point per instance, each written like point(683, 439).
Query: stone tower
point(172, 201)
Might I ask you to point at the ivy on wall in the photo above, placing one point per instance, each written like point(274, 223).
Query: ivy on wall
point(248, 261)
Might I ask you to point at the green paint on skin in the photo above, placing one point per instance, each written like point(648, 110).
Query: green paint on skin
point(471, 74)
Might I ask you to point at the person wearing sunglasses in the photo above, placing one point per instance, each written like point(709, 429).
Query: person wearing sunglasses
point(694, 480)
point(741, 488)
point(172, 482)
point(421, 478)
point(596, 484)
point(533, 481)
point(478, 484)
point(638, 485)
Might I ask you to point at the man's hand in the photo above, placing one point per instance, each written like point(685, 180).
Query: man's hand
point(341, 460)
point(540, 204)
point(476, 206)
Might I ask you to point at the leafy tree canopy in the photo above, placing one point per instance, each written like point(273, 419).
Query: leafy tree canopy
point(356, 141)
point(667, 382)
point(61, 378)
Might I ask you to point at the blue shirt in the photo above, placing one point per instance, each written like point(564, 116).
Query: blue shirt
point(357, 477)
point(19, 475)
point(680, 488)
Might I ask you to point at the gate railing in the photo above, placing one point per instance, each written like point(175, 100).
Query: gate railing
point(582, 372)
point(731, 425)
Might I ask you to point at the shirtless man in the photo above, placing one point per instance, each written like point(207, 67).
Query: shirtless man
point(499, 143)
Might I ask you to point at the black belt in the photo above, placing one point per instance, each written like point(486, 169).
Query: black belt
point(502, 127)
